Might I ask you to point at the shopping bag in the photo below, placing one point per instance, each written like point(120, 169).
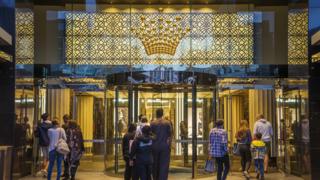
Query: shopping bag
point(209, 166)
point(236, 149)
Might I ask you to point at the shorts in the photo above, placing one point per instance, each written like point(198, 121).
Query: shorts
point(305, 148)
point(45, 152)
point(268, 147)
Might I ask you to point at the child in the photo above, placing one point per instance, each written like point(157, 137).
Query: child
point(143, 122)
point(142, 151)
point(126, 149)
point(258, 152)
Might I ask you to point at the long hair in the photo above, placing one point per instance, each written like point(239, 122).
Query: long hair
point(244, 127)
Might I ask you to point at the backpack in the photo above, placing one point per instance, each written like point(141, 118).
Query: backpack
point(42, 133)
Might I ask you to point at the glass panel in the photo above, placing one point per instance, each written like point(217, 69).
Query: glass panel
point(205, 122)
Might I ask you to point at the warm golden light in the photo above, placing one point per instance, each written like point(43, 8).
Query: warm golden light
point(160, 35)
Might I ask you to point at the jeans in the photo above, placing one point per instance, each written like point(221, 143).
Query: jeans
point(258, 163)
point(223, 167)
point(54, 155)
point(245, 154)
point(143, 171)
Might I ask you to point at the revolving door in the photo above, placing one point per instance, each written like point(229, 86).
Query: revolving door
point(189, 103)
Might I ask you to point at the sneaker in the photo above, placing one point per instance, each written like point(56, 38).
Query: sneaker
point(246, 174)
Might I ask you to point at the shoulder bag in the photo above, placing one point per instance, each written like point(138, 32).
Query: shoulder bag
point(62, 146)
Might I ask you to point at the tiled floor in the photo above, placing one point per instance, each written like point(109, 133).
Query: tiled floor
point(177, 176)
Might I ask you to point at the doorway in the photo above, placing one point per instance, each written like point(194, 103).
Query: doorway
point(188, 101)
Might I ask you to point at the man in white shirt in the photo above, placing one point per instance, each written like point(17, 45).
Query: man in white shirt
point(265, 128)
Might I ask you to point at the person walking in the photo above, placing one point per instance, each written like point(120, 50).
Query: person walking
point(126, 149)
point(218, 149)
point(265, 128)
point(66, 118)
point(41, 132)
point(258, 150)
point(161, 128)
point(141, 153)
point(55, 134)
point(76, 145)
point(244, 139)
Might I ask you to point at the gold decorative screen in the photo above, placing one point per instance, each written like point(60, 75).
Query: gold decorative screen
point(298, 37)
point(112, 39)
point(24, 36)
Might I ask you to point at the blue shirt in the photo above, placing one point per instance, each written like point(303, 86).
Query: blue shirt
point(218, 142)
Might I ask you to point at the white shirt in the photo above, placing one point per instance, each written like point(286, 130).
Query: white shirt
point(265, 128)
point(139, 129)
point(54, 135)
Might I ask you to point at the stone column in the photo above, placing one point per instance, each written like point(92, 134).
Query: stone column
point(58, 103)
point(84, 117)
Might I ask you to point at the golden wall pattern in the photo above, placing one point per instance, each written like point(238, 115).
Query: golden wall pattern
point(24, 36)
point(101, 38)
point(107, 38)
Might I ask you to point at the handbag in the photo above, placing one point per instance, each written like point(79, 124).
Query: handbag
point(62, 146)
point(209, 166)
point(236, 149)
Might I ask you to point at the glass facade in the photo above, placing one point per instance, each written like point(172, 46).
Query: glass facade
point(105, 63)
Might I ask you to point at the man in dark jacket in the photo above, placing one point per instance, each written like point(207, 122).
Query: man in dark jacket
point(141, 151)
point(126, 142)
point(42, 134)
point(162, 130)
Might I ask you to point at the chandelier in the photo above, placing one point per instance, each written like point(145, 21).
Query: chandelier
point(160, 36)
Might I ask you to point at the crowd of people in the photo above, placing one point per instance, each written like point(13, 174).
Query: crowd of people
point(51, 136)
point(247, 147)
point(146, 148)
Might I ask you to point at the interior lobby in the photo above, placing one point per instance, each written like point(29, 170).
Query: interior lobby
point(105, 62)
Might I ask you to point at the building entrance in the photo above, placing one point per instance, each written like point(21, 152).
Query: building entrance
point(188, 103)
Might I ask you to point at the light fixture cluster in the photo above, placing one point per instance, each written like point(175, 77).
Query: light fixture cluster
point(160, 35)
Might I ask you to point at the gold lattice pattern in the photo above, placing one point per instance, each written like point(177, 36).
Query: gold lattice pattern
point(121, 39)
point(161, 35)
point(298, 37)
point(24, 36)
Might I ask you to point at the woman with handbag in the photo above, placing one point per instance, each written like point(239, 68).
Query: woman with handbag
point(244, 139)
point(57, 138)
point(76, 145)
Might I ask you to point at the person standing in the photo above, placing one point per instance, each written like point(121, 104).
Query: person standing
point(265, 128)
point(66, 118)
point(161, 128)
point(258, 150)
point(305, 139)
point(218, 149)
point(76, 146)
point(141, 153)
point(184, 139)
point(55, 134)
point(244, 139)
point(126, 149)
point(143, 122)
point(42, 133)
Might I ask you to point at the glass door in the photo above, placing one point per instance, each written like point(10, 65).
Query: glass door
point(293, 132)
